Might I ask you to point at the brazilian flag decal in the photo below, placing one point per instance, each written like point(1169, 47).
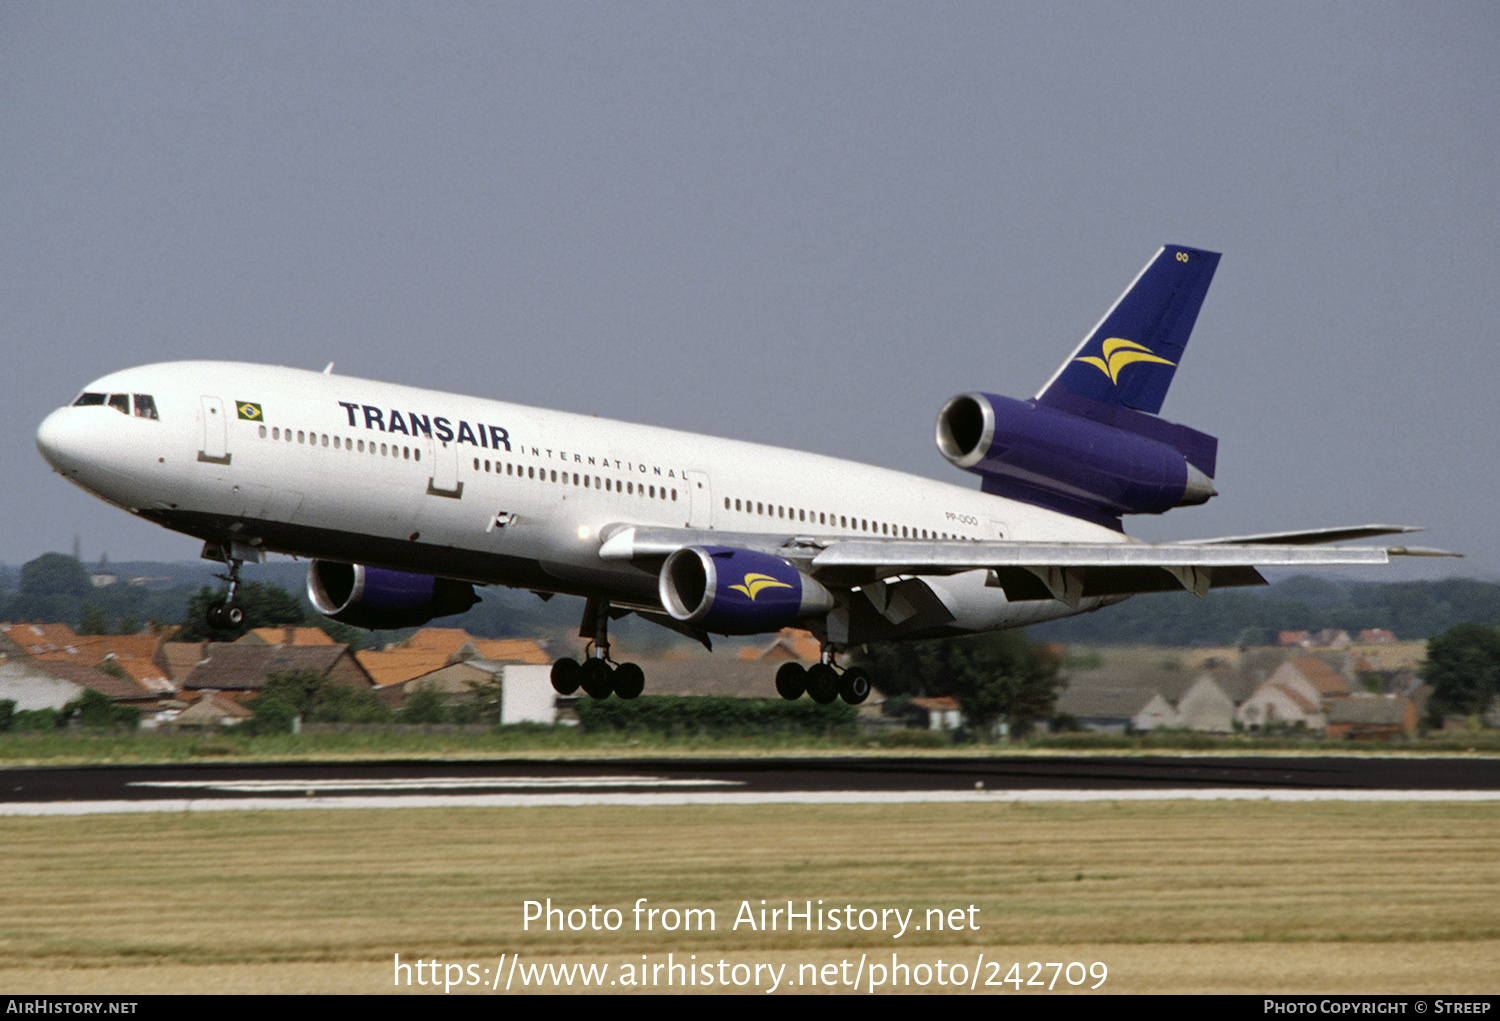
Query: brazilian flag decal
point(249, 412)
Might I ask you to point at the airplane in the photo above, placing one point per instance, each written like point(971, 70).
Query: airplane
point(404, 499)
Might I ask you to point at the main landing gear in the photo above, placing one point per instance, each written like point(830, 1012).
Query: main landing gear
point(597, 675)
point(823, 681)
point(227, 614)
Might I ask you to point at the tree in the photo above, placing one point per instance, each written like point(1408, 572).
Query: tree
point(425, 705)
point(1463, 667)
point(97, 711)
point(1003, 675)
point(485, 701)
point(94, 622)
point(314, 698)
point(52, 587)
point(991, 676)
point(55, 574)
point(264, 606)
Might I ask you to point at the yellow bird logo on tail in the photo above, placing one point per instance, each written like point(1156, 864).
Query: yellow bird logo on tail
point(755, 583)
point(1119, 353)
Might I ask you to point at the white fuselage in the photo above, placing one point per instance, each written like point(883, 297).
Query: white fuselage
point(333, 467)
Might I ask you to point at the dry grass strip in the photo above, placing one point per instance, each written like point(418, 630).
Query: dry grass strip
point(1173, 897)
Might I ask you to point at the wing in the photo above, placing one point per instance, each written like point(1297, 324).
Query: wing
point(1067, 571)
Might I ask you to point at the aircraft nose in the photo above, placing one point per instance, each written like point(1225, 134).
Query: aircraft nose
point(58, 440)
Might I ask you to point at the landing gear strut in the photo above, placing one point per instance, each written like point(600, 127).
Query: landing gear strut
point(823, 681)
point(597, 675)
point(227, 614)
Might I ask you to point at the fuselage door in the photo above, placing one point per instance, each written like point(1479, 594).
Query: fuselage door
point(215, 449)
point(444, 480)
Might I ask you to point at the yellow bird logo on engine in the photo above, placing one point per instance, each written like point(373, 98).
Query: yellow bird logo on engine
point(755, 583)
point(1119, 353)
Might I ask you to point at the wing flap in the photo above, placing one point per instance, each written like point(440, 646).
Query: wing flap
point(1309, 537)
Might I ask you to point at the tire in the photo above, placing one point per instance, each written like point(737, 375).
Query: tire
point(791, 681)
point(234, 615)
point(822, 683)
point(854, 686)
point(596, 678)
point(630, 680)
point(565, 676)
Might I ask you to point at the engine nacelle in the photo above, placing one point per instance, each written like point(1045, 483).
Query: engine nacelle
point(374, 597)
point(1136, 464)
point(732, 591)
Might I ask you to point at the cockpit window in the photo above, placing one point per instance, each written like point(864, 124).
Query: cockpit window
point(145, 404)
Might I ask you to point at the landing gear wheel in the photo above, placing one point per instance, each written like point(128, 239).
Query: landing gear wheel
point(565, 676)
point(224, 616)
point(854, 686)
point(791, 681)
point(822, 683)
point(630, 680)
point(596, 678)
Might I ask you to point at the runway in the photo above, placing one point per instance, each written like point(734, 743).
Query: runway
point(75, 790)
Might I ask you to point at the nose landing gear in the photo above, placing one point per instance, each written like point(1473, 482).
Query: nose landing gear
point(227, 614)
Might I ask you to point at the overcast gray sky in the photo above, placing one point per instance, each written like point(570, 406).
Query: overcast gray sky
point(802, 224)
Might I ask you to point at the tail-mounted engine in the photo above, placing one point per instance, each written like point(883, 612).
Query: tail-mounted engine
point(373, 597)
point(1077, 455)
point(731, 591)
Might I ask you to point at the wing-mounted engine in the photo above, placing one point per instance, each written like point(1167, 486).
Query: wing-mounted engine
point(1078, 456)
point(373, 597)
point(731, 591)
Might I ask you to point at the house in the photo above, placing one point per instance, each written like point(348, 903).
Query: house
point(943, 713)
point(1155, 714)
point(447, 660)
point(1203, 706)
point(212, 710)
point(455, 681)
point(789, 645)
point(31, 686)
point(1206, 707)
point(1366, 718)
point(1332, 638)
point(1297, 693)
point(35, 638)
point(504, 650)
point(287, 635)
point(242, 669)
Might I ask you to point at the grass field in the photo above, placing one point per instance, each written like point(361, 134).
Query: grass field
point(86, 748)
point(1171, 897)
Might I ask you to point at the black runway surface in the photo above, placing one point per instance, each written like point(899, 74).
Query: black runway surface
point(746, 776)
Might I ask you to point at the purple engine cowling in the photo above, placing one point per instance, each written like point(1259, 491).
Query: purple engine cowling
point(731, 591)
point(374, 597)
point(1076, 464)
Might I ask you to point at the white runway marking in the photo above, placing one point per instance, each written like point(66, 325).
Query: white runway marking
point(436, 782)
point(579, 798)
